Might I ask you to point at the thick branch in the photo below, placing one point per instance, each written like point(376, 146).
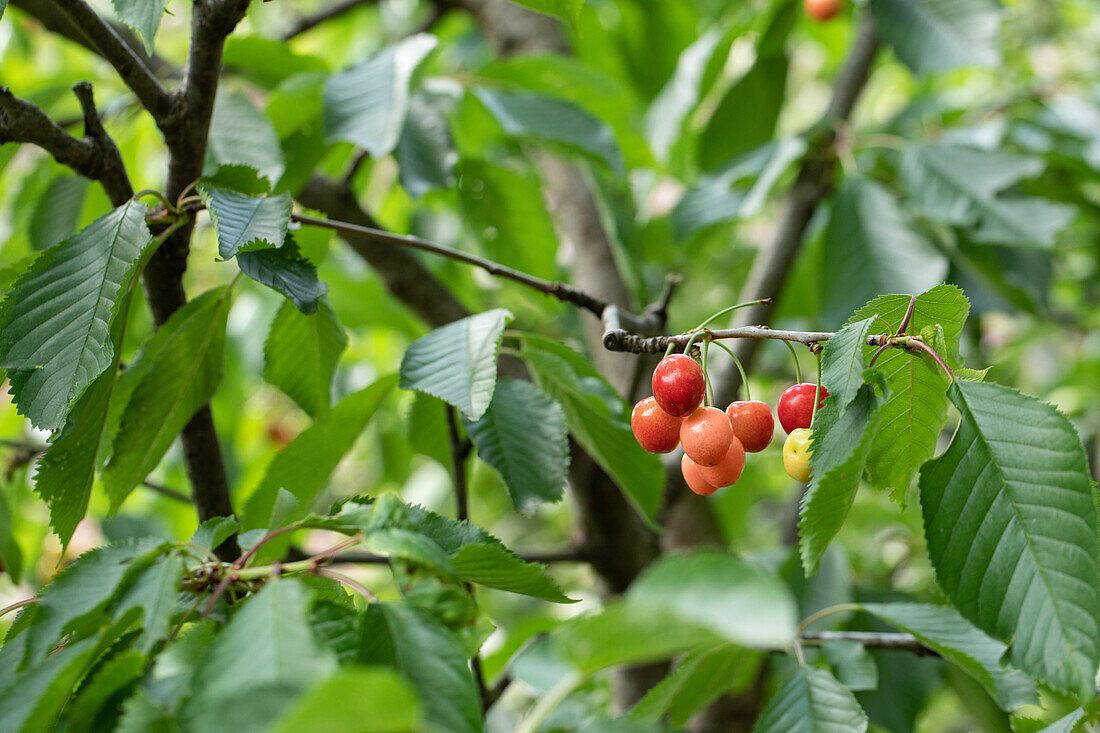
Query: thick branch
point(128, 64)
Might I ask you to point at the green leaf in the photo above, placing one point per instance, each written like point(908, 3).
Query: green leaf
point(942, 629)
point(843, 362)
point(960, 186)
point(3, 7)
point(916, 409)
point(361, 699)
point(495, 566)
point(300, 356)
point(852, 664)
point(241, 135)
point(841, 443)
point(937, 35)
point(143, 16)
point(156, 592)
point(303, 467)
point(696, 682)
point(427, 428)
point(664, 120)
point(366, 104)
point(11, 556)
point(55, 322)
point(258, 663)
point(432, 658)
point(211, 533)
point(246, 223)
point(268, 61)
point(1011, 523)
point(869, 248)
point(458, 362)
point(567, 378)
point(812, 701)
point(178, 372)
point(111, 678)
point(412, 547)
point(56, 213)
point(285, 270)
point(34, 699)
point(567, 10)
point(554, 122)
point(522, 435)
point(740, 601)
point(505, 212)
point(425, 151)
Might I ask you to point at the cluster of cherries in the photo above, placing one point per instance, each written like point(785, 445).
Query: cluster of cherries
point(715, 441)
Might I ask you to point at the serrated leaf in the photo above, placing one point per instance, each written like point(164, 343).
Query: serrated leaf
point(498, 567)
point(458, 362)
point(916, 409)
point(34, 699)
point(552, 121)
point(852, 664)
point(57, 211)
point(942, 629)
point(55, 322)
point(841, 443)
point(366, 104)
point(425, 152)
point(178, 372)
point(697, 681)
point(1011, 523)
point(843, 362)
point(143, 16)
point(432, 658)
point(505, 212)
point(812, 701)
point(112, 677)
point(606, 437)
point(266, 654)
point(870, 248)
point(361, 699)
point(413, 548)
point(300, 356)
point(937, 35)
point(336, 626)
point(285, 270)
point(241, 135)
point(211, 533)
point(567, 10)
point(742, 602)
point(246, 223)
point(155, 590)
point(522, 435)
point(303, 467)
point(961, 186)
point(11, 556)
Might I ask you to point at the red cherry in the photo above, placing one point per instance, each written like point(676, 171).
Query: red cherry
point(695, 480)
point(796, 405)
point(822, 9)
point(706, 435)
point(752, 424)
point(678, 384)
point(654, 429)
point(727, 470)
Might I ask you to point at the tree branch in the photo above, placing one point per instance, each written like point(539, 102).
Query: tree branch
point(327, 12)
point(121, 56)
point(871, 640)
point(460, 451)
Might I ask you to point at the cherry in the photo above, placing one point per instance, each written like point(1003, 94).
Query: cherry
point(752, 424)
point(727, 470)
point(706, 435)
point(822, 10)
point(796, 405)
point(654, 429)
point(678, 384)
point(695, 480)
point(796, 455)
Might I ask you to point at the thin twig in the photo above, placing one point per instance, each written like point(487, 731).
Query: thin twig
point(349, 582)
point(871, 640)
point(167, 491)
point(327, 12)
point(18, 604)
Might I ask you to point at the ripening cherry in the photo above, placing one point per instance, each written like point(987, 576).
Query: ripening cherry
point(694, 479)
point(796, 455)
point(706, 435)
point(654, 429)
point(678, 384)
point(822, 10)
point(796, 405)
point(752, 424)
point(728, 470)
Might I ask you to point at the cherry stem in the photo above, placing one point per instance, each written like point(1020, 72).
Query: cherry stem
point(691, 341)
point(706, 377)
point(732, 308)
point(19, 604)
point(670, 349)
point(817, 392)
point(737, 363)
point(827, 611)
point(797, 367)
